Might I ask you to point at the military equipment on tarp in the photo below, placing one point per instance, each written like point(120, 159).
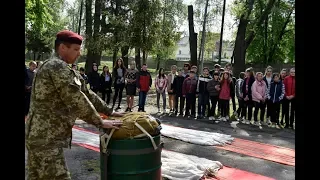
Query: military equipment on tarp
point(134, 125)
point(135, 153)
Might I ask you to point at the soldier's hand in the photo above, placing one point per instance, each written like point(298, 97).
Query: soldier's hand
point(117, 114)
point(111, 124)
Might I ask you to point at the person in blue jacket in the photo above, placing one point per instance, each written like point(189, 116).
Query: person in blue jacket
point(275, 94)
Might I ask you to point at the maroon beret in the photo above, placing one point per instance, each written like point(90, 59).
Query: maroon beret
point(69, 36)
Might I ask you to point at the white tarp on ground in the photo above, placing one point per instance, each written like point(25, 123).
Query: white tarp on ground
point(196, 136)
point(178, 166)
point(175, 166)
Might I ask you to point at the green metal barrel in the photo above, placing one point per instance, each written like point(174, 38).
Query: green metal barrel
point(131, 159)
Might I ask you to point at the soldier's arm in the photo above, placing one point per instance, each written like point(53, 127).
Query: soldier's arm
point(70, 92)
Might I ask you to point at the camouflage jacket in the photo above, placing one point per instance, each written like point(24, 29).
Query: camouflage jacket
point(59, 95)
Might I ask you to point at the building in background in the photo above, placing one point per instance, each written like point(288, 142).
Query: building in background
point(183, 50)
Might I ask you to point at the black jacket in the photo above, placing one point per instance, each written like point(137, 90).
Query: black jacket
point(177, 85)
point(244, 91)
point(94, 80)
point(105, 86)
point(202, 84)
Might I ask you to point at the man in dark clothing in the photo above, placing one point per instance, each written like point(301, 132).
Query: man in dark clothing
point(94, 79)
point(247, 95)
point(26, 77)
point(28, 86)
point(203, 94)
point(143, 82)
point(177, 89)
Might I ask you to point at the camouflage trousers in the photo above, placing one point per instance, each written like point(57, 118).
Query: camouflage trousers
point(47, 164)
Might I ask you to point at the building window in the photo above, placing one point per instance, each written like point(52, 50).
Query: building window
point(179, 51)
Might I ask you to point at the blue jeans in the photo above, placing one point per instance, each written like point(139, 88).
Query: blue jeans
point(142, 99)
point(203, 101)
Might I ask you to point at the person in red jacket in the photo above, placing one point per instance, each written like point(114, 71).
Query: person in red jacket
point(143, 82)
point(189, 88)
point(290, 92)
point(226, 91)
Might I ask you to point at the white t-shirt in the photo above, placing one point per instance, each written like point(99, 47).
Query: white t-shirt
point(269, 80)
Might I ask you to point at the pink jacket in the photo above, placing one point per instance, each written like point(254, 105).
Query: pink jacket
point(259, 90)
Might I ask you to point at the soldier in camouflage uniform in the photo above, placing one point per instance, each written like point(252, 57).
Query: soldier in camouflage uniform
point(59, 96)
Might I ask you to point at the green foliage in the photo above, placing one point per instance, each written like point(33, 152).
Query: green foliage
point(73, 15)
point(210, 45)
point(274, 39)
point(167, 35)
point(43, 21)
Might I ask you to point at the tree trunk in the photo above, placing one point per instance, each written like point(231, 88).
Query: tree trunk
point(265, 44)
point(114, 56)
point(138, 58)
point(203, 36)
point(125, 55)
point(88, 14)
point(240, 43)
point(39, 56)
point(221, 31)
point(262, 18)
point(80, 17)
point(144, 57)
point(192, 37)
point(158, 62)
point(232, 58)
point(194, 50)
point(97, 51)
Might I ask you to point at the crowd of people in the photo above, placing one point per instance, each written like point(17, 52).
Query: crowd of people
point(257, 94)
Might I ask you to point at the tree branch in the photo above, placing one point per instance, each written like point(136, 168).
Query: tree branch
point(262, 18)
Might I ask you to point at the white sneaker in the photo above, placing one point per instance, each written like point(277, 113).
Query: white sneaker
point(268, 121)
point(277, 126)
point(211, 118)
point(223, 119)
point(247, 121)
point(273, 126)
point(227, 118)
point(257, 123)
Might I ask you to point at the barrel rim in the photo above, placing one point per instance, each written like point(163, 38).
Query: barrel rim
point(140, 139)
point(136, 173)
